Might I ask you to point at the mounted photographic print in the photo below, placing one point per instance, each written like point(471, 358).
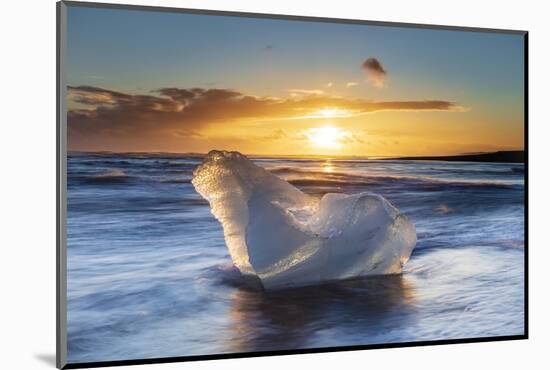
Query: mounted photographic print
point(235, 184)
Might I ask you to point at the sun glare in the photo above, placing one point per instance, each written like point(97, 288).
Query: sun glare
point(327, 137)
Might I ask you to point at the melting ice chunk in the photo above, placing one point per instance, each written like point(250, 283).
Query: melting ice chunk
point(283, 237)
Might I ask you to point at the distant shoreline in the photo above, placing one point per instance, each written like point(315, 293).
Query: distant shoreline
point(512, 156)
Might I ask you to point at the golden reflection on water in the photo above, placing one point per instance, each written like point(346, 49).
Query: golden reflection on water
point(292, 318)
point(327, 166)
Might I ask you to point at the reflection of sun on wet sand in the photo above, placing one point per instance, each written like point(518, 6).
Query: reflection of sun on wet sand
point(296, 318)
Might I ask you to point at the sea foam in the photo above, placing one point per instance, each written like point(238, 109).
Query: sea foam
point(279, 236)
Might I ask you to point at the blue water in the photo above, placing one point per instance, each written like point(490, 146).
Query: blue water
point(149, 274)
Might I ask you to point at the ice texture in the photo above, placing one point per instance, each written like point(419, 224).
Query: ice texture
point(281, 237)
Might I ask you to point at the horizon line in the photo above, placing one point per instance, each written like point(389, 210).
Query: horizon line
point(70, 152)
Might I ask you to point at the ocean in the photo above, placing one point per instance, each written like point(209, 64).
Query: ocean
point(149, 274)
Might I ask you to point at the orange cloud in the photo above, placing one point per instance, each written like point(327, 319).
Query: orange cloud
point(169, 111)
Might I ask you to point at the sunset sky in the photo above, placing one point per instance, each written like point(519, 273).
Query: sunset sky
point(172, 82)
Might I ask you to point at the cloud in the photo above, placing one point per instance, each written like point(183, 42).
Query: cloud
point(176, 112)
point(329, 84)
point(375, 71)
point(351, 84)
point(276, 135)
point(296, 92)
point(95, 95)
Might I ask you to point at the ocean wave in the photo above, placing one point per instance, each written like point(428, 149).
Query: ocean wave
point(299, 171)
point(381, 180)
point(145, 162)
point(178, 164)
point(290, 171)
point(176, 181)
point(298, 177)
point(517, 169)
point(503, 172)
point(95, 163)
point(223, 274)
point(107, 177)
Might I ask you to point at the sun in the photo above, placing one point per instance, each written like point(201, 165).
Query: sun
point(327, 137)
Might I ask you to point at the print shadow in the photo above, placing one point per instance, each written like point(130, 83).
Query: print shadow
point(46, 358)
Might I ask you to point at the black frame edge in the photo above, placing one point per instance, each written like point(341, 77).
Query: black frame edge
point(164, 360)
point(287, 17)
point(526, 183)
point(61, 262)
point(58, 333)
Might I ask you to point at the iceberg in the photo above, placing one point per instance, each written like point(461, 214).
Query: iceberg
point(280, 237)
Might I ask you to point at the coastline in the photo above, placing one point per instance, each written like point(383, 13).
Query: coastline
point(515, 156)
